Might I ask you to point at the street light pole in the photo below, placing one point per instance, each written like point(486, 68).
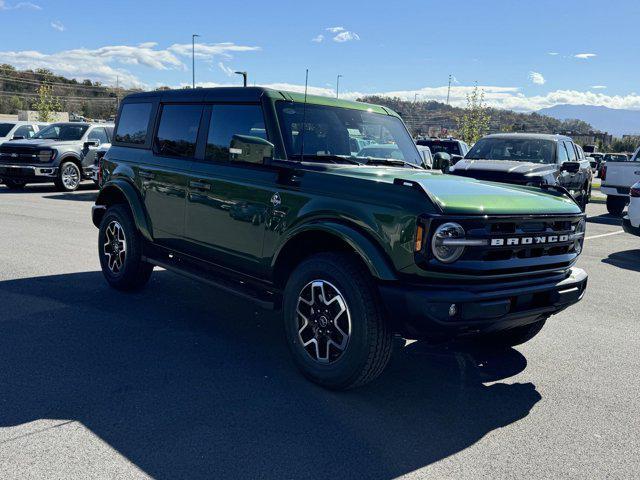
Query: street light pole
point(244, 77)
point(193, 58)
point(338, 85)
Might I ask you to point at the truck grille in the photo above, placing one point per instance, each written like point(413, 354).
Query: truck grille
point(511, 245)
point(11, 154)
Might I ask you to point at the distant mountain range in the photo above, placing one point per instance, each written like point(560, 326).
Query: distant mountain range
point(614, 121)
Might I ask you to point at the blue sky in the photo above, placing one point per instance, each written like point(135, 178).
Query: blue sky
point(526, 55)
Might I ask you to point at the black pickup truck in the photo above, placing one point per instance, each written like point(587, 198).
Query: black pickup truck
point(529, 159)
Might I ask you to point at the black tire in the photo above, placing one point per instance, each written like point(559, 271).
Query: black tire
point(616, 204)
point(66, 185)
point(369, 345)
point(126, 271)
point(514, 336)
point(15, 184)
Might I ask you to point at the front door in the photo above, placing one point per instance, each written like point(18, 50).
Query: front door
point(230, 201)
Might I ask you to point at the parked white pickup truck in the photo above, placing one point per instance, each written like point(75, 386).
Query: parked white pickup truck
point(617, 179)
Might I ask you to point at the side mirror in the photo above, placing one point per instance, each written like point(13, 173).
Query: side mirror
point(571, 167)
point(17, 137)
point(442, 161)
point(455, 159)
point(246, 148)
point(91, 143)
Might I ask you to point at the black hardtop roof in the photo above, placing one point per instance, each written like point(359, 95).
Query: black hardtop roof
point(249, 94)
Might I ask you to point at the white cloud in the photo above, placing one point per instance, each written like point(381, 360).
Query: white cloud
point(318, 38)
point(553, 53)
point(346, 37)
point(584, 56)
point(20, 5)
point(598, 87)
point(335, 29)
point(106, 63)
point(537, 78)
point(227, 70)
point(57, 25)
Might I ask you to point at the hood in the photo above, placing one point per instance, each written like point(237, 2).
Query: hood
point(457, 195)
point(502, 166)
point(40, 143)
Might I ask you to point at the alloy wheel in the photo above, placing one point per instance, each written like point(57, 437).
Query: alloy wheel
point(115, 246)
point(70, 176)
point(323, 321)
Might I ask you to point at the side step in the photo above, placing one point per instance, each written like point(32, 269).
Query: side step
point(259, 294)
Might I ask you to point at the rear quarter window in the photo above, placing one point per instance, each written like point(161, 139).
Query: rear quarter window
point(133, 123)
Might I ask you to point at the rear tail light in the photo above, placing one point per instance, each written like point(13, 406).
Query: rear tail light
point(100, 170)
point(603, 175)
point(635, 191)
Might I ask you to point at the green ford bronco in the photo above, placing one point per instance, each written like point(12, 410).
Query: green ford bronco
point(275, 196)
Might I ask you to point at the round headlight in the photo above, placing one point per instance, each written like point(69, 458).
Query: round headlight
point(444, 251)
point(580, 230)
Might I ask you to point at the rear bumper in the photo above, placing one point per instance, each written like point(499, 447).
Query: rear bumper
point(426, 311)
point(628, 227)
point(615, 190)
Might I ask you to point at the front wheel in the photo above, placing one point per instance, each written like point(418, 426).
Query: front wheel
point(120, 251)
point(15, 184)
point(69, 177)
point(334, 322)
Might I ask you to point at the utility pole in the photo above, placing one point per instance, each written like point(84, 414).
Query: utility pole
point(338, 85)
point(193, 58)
point(449, 89)
point(244, 77)
point(117, 92)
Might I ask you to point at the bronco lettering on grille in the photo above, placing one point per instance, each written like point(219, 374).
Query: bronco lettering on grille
point(539, 240)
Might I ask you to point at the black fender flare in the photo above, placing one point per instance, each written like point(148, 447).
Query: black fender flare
point(114, 191)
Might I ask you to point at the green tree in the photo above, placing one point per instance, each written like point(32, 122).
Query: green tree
point(46, 104)
point(474, 123)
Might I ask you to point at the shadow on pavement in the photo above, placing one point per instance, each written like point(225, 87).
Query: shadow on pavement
point(76, 196)
point(48, 188)
point(629, 260)
point(187, 382)
point(605, 219)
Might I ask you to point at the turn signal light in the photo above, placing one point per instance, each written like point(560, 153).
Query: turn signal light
point(419, 238)
point(603, 175)
point(635, 191)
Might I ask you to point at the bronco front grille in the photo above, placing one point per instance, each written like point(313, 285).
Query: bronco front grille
point(514, 244)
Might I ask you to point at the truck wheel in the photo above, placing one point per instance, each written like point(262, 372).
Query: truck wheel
point(120, 251)
point(15, 184)
point(334, 322)
point(514, 336)
point(69, 177)
point(616, 204)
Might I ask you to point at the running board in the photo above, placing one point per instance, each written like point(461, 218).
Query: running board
point(261, 296)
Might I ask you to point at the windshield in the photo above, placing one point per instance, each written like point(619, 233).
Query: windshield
point(354, 134)
point(62, 131)
point(533, 150)
point(616, 157)
point(438, 146)
point(5, 128)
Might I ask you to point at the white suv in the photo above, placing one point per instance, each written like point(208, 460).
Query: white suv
point(19, 130)
point(631, 221)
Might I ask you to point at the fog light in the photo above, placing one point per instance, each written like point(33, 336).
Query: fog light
point(453, 310)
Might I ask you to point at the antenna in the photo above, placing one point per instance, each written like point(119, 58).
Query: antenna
point(304, 115)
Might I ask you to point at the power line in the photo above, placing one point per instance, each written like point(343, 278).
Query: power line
point(25, 94)
point(54, 84)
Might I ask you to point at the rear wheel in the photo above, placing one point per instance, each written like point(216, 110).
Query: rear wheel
point(69, 177)
point(616, 204)
point(15, 184)
point(120, 250)
point(334, 322)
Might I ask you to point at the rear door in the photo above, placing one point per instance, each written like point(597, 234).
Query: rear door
point(229, 201)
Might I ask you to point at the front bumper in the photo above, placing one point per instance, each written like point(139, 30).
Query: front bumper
point(28, 172)
point(628, 227)
point(425, 311)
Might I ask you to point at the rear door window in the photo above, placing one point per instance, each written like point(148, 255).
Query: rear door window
point(133, 123)
point(24, 131)
point(178, 130)
point(98, 133)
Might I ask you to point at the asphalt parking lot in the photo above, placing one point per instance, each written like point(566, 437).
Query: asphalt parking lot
point(182, 381)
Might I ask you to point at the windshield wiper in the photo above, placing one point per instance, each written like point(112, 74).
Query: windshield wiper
point(390, 161)
point(330, 158)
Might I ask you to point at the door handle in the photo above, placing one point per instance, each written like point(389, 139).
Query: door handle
point(200, 185)
point(147, 175)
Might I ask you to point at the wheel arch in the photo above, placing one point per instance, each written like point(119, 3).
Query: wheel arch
point(329, 236)
point(121, 192)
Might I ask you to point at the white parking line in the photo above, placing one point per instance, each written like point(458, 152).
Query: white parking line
point(605, 234)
